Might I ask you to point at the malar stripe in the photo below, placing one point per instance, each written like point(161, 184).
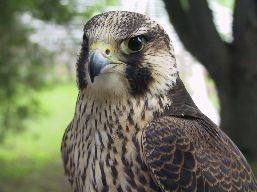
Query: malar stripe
point(81, 69)
point(135, 75)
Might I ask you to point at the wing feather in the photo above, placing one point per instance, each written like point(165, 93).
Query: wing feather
point(194, 155)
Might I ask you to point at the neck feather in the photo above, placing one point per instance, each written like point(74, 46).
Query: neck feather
point(126, 114)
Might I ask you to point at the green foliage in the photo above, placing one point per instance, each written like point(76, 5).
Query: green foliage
point(23, 64)
point(56, 11)
point(31, 160)
point(47, 10)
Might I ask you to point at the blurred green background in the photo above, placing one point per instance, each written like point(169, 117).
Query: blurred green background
point(38, 87)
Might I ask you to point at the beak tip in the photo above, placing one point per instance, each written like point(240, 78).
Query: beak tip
point(96, 62)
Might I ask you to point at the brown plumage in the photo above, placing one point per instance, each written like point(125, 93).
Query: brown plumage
point(135, 126)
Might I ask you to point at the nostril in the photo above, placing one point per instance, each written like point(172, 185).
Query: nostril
point(107, 51)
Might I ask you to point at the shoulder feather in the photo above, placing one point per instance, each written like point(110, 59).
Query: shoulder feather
point(194, 155)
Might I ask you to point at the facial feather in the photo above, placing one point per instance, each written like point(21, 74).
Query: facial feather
point(151, 70)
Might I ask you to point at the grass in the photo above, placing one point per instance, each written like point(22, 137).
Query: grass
point(31, 160)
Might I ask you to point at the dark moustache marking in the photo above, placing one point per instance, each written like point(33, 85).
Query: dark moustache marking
point(134, 59)
point(81, 68)
point(139, 79)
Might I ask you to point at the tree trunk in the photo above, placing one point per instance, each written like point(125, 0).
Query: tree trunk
point(239, 117)
point(233, 66)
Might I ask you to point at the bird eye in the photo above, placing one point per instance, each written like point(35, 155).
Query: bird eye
point(133, 45)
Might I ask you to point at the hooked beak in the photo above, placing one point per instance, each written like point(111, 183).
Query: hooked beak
point(96, 63)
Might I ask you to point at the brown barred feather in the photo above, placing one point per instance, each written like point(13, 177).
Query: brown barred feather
point(135, 128)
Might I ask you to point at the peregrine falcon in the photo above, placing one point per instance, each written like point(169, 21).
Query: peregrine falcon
point(135, 126)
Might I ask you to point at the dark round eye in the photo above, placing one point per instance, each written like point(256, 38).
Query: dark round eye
point(133, 45)
point(136, 43)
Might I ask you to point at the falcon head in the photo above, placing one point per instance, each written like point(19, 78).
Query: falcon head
point(125, 54)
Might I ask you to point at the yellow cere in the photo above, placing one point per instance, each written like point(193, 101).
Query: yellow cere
point(102, 46)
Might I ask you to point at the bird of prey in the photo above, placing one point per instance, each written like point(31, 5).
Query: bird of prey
point(135, 126)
